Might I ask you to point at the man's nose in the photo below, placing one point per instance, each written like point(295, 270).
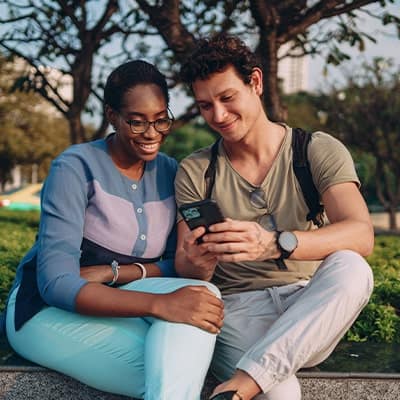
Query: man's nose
point(219, 113)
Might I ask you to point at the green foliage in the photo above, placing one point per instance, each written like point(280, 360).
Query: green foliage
point(364, 113)
point(17, 234)
point(183, 141)
point(380, 321)
point(32, 133)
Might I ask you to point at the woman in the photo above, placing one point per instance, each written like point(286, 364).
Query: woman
point(80, 304)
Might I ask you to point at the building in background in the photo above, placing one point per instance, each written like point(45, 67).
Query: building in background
point(293, 71)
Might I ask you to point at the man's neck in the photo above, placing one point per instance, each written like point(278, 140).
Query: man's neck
point(253, 156)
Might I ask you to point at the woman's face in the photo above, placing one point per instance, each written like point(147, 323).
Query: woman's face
point(141, 103)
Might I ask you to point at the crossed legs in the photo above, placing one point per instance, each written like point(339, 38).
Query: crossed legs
point(269, 335)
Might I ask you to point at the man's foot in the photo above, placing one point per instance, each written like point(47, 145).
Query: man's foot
point(227, 395)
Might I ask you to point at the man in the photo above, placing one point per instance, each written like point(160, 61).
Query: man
point(276, 320)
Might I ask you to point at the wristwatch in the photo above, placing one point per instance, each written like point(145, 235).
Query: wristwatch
point(287, 243)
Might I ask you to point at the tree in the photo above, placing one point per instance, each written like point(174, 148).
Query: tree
point(29, 134)
point(366, 114)
point(71, 35)
point(66, 36)
point(310, 27)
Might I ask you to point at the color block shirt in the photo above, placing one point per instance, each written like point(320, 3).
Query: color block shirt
point(330, 164)
point(92, 214)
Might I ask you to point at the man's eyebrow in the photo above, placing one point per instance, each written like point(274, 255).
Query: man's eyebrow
point(220, 94)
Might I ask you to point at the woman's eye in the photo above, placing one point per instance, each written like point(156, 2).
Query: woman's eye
point(226, 98)
point(136, 123)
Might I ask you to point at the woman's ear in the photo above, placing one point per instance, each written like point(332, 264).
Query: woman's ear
point(111, 115)
point(257, 80)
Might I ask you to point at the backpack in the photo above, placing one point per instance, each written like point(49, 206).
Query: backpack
point(301, 167)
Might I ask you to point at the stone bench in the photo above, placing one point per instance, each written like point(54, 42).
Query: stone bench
point(21, 380)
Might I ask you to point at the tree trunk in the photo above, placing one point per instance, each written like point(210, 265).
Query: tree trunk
point(268, 53)
point(392, 219)
point(76, 129)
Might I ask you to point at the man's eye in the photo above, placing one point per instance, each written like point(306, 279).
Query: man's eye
point(204, 106)
point(227, 98)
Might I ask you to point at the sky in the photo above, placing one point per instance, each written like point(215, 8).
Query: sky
point(387, 46)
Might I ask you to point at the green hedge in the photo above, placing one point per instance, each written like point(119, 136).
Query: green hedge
point(378, 322)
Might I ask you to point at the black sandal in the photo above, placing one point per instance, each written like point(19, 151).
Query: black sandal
point(228, 395)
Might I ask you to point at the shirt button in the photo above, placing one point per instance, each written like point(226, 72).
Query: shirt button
point(142, 237)
point(134, 186)
point(139, 210)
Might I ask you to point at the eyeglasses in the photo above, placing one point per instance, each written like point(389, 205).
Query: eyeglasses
point(161, 125)
point(257, 200)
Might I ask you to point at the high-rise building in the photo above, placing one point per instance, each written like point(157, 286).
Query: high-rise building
point(293, 70)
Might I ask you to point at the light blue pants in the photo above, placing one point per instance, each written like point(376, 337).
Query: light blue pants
point(137, 357)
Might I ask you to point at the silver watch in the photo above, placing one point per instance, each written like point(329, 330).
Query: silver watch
point(287, 243)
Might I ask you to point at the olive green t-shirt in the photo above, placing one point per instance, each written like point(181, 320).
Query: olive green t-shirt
point(330, 163)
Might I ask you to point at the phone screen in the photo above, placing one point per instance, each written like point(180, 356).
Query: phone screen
point(201, 213)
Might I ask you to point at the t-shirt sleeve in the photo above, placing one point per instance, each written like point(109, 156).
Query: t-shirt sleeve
point(189, 181)
point(330, 162)
point(63, 205)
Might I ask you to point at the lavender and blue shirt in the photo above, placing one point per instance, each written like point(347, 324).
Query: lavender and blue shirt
point(92, 214)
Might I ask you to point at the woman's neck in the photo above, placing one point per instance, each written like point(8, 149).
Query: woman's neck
point(124, 162)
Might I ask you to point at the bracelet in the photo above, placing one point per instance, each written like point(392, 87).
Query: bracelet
point(115, 270)
point(141, 266)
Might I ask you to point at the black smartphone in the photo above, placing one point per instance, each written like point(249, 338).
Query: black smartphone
point(201, 213)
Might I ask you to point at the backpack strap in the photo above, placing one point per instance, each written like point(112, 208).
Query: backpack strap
point(211, 171)
point(301, 167)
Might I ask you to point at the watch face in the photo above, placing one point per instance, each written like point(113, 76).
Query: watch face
point(288, 241)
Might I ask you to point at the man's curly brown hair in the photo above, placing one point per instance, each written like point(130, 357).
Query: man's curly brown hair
point(215, 54)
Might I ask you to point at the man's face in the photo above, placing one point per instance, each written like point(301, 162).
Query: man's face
point(228, 105)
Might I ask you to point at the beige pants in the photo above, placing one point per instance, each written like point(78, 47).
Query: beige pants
point(272, 333)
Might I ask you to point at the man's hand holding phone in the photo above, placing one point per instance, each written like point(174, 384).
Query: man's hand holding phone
point(201, 213)
point(199, 216)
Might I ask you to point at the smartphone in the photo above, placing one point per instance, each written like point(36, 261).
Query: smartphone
point(201, 213)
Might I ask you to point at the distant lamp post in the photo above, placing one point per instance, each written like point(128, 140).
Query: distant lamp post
point(322, 117)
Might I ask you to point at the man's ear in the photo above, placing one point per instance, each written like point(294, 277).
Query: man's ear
point(257, 80)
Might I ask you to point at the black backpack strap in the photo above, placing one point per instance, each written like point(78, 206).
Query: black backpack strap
point(301, 167)
point(211, 171)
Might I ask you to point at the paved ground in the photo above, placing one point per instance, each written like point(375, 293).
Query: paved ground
point(381, 220)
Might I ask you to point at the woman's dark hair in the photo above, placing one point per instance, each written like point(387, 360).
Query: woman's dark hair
point(128, 75)
point(216, 53)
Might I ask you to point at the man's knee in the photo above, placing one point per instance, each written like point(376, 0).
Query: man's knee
point(351, 272)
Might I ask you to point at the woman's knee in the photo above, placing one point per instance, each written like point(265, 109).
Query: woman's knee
point(210, 286)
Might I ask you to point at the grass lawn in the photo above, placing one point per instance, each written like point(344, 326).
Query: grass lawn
point(379, 321)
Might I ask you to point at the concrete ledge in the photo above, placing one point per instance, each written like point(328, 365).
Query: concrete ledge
point(36, 383)
point(21, 380)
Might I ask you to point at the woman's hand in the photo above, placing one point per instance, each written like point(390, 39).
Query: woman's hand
point(236, 241)
point(194, 305)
